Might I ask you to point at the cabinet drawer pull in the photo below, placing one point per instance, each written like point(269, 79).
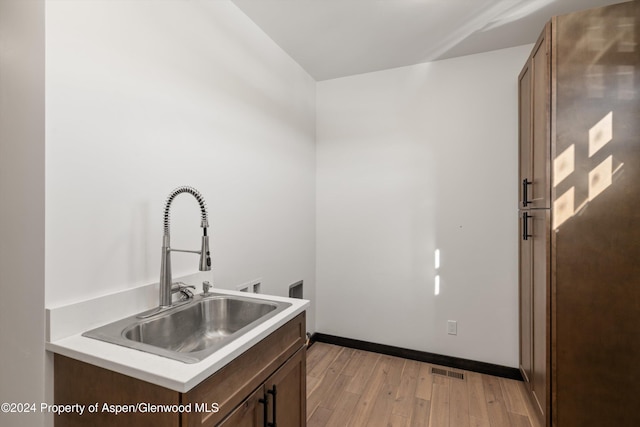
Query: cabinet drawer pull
point(525, 192)
point(265, 402)
point(525, 226)
point(273, 393)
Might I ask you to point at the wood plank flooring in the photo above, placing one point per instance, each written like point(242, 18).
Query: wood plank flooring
point(347, 387)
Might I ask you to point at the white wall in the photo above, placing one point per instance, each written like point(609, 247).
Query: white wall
point(145, 96)
point(22, 356)
point(411, 160)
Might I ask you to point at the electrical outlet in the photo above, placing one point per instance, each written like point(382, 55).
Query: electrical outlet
point(452, 327)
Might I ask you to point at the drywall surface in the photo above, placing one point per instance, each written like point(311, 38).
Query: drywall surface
point(22, 139)
point(145, 96)
point(411, 161)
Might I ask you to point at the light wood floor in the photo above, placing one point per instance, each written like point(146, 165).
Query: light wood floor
point(347, 387)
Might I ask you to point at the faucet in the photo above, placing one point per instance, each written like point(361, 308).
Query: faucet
point(166, 282)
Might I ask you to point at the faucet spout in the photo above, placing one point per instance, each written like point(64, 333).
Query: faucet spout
point(165, 263)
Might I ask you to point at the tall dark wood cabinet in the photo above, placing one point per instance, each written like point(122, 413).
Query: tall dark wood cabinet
point(534, 205)
point(579, 210)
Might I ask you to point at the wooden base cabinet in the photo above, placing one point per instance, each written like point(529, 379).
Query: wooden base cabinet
point(264, 386)
point(580, 251)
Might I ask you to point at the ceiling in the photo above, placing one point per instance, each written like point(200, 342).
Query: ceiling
point(336, 38)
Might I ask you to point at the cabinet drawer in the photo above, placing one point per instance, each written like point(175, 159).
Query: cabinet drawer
point(233, 383)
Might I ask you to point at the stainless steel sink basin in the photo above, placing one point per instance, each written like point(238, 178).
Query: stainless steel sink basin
point(193, 331)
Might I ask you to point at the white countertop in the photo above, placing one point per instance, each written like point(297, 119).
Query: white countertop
point(67, 323)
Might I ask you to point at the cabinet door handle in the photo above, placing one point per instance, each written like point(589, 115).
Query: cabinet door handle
point(525, 192)
point(273, 393)
point(265, 402)
point(525, 226)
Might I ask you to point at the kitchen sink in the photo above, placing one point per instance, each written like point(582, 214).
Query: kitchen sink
point(192, 331)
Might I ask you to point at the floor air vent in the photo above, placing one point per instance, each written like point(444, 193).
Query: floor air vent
point(438, 371)
point(444, 372)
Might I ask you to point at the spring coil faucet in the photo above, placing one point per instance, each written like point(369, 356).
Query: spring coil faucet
point(165, 263)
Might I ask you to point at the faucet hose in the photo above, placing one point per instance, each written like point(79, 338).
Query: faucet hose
point(195, 193)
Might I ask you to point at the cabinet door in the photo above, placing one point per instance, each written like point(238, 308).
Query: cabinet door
point(524, 138)
point(534, 303)
point(526, 298)
point(250, 413)
point(286, 391)
point(540, 192)
point(534, 121)
point(540, 280)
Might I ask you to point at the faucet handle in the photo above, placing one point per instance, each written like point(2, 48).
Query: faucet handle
point(179, 286)
point(184, 289)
